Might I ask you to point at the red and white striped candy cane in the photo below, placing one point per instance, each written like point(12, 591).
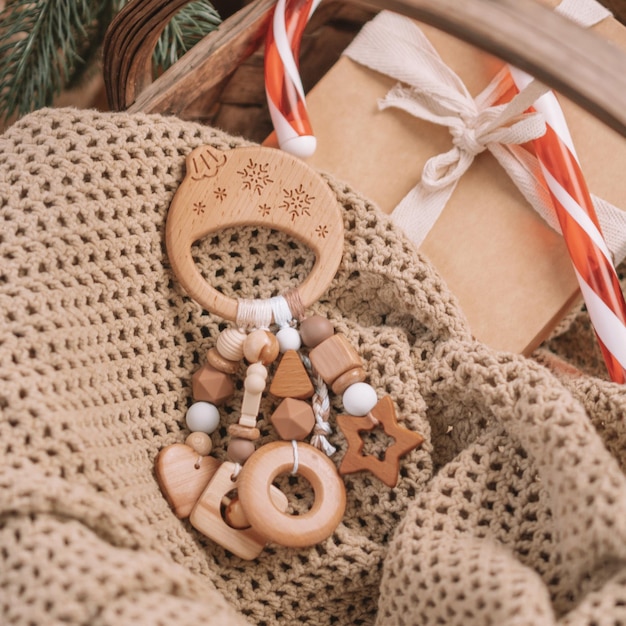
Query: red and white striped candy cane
point(283, 86)
point(583, 237)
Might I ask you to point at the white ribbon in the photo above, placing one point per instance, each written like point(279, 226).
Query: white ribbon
point(394, 45)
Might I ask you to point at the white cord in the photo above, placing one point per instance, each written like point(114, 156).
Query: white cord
point(296, 458)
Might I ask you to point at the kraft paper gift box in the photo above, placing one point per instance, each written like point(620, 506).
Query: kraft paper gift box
point(509, 270)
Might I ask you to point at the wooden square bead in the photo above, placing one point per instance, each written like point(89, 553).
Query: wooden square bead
point(333, 357)
point(293, 419)
point(210, 385)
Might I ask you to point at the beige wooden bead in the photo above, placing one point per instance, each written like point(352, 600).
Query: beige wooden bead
point(239, 450)
point(220, 363)
point(234, 515)
point(314, 330)
point(261, 345)
point(230, 343)
point(200, 442)
point(333, 357)
point(356, 375)
point(244, 432)
point(211, 385)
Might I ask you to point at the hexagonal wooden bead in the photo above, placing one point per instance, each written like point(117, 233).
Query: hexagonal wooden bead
point(210, 385)
point(333, 357)
point(293, 419)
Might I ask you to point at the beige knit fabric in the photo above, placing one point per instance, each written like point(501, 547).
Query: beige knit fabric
point(512, 512)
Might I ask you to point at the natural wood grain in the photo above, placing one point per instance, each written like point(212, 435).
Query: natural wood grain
point(252, 186)
point(295, 531)
point(576, 62)
point(206, 517)
point(291, 380)
point(183, 475)
point(404, 441)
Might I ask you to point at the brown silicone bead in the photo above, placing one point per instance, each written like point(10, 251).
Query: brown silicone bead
point(314, 330)
point(240, 449)
point(293, 419)
point(211, 385)
point(356, 375)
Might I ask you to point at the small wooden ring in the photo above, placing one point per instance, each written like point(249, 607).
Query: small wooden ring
point(252, 186)
point(293, 531)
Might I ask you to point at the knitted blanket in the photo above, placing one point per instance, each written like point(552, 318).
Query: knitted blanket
point(512, 512)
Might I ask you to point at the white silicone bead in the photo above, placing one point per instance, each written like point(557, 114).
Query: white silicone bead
point(288, 339)
point(359, 399)
point(203, 417)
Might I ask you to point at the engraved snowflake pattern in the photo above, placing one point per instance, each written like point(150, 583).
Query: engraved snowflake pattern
point(220, 193)
point(264, 210)
point(198, 207)
point(322, 231)
point(297, 202)
point(255, 176)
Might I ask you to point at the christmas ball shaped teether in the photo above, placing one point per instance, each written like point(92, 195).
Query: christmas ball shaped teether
point(252, 186)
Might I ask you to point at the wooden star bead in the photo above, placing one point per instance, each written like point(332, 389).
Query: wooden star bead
point(404, 441)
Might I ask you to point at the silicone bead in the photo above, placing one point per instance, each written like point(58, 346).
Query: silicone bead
point(254, 383)
point(230, 344)
point(258, 369)
point(220, 363)
point(359, 399)
point(200, 442)
point(314, 330)
point(202, 416)
point(293, 419)
point(288, 339)
point(261, 345)
point(211, 385)
point(239, 450)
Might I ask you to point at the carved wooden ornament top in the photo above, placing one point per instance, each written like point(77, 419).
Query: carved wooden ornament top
point(252, 186)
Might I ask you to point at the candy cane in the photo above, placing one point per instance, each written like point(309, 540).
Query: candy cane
point(585, 243)
point(283, 86)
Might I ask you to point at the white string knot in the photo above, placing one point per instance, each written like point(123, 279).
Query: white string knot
point(395, 46)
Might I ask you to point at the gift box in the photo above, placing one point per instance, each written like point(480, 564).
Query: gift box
point(509, 270)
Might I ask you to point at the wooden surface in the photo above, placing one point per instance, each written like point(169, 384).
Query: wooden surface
point(252, 187)
point(575, 62)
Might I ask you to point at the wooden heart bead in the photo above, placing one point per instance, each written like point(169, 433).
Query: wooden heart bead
point(183, 475)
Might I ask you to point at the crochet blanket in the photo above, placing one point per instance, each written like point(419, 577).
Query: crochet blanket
point(512, 512)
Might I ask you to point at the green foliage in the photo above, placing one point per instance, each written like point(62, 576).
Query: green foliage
point(47, 45)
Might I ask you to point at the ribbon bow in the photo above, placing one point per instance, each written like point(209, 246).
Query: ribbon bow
point(429, 89)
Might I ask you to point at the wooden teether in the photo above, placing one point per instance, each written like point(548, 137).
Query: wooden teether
point(252, 186)
point(183, 475)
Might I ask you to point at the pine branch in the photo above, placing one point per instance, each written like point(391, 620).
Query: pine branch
point(186, 28)
point(42, 47)
point(45, 45)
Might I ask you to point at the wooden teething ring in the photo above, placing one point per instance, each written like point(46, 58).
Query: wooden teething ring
point(293, 531)
point(252, 186)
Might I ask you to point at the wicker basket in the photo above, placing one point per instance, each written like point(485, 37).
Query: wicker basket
point(220, 81)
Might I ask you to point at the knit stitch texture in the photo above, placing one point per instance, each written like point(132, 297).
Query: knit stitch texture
point(513, 511)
